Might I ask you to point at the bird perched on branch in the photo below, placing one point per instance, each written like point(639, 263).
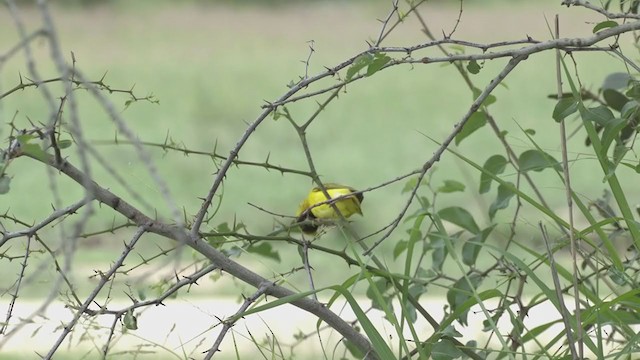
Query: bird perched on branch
point(310, 210)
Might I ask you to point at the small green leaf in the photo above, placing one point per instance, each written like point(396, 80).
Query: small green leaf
point(630, 110)
point(473, 67)
point(610, 133)
point(619, 151)
point(600, 115)
point(411, 183)
point(472, 247)
point(35, 151)
point(505, 193)
point(477, 120)
point(130, 321)
point(530, 132)
point(564, 107)
point(495, 165)
point(264, 249)
point(415, 291)
point(451, 186)
point(451, 331)
point(223, 228)
point(536, 160)
point(25, 138)
point(440, 252)
point(444, 349)
point(488, 101)
point(614, 99)
point(604, 25)
point(461, 291)
point(461, 217)
point(63, 144)
point(400, 247)
point(359, 63)
point(4, 184)
point(215, 240)
point(379, 61)
point(616, 80)
point(376, 288)
point(634, 91)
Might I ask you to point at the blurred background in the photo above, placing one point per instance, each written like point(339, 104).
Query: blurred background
point(212, 65)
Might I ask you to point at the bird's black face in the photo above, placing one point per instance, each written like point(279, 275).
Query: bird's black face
point(306, 218)
point(360, 197)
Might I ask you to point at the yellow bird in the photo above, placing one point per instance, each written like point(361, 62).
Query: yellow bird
point(307, 211)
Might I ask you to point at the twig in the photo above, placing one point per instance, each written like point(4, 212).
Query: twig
point(600, 10)
point(445, 144)
point(307, 266)
point(568, 193)
point(227, 324)
point(556, 282)
point(30, 231)
point(104, 279)
point(385, 22)
point(223, 262)
point(14, 296)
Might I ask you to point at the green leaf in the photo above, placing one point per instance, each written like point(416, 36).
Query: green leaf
point(537, 160)
point(451, 331)
point(461, 217)
point(634, 92)
point(130, 321)
point(215, 240)
point(462, 291)
point(451, 186)
point(600, 115)
point(4, 184)
point(440, 252)
point(444, 349)
point(604, 25)
point(496, 164)
point(477, 120)
point(473, 67)
point(377, 293)
point(616, 80)
point(630, 110)
point(415, 291)
point(411, 183)
point(564, 107)
point(619, 151)
point(264, 249)
point(63, 144)
point(488, 101)
point(505, 193)
point(223, 228)
point(35, 151)
point(400, 247)
point(614, 99)
point(25, 138)
point(611, 132)
point(471, 247)
point(379, 60)
point(359, 63)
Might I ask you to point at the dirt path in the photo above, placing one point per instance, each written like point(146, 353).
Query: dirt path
point(184, 326)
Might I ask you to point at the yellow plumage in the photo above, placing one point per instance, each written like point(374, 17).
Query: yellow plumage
point(347, 206)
